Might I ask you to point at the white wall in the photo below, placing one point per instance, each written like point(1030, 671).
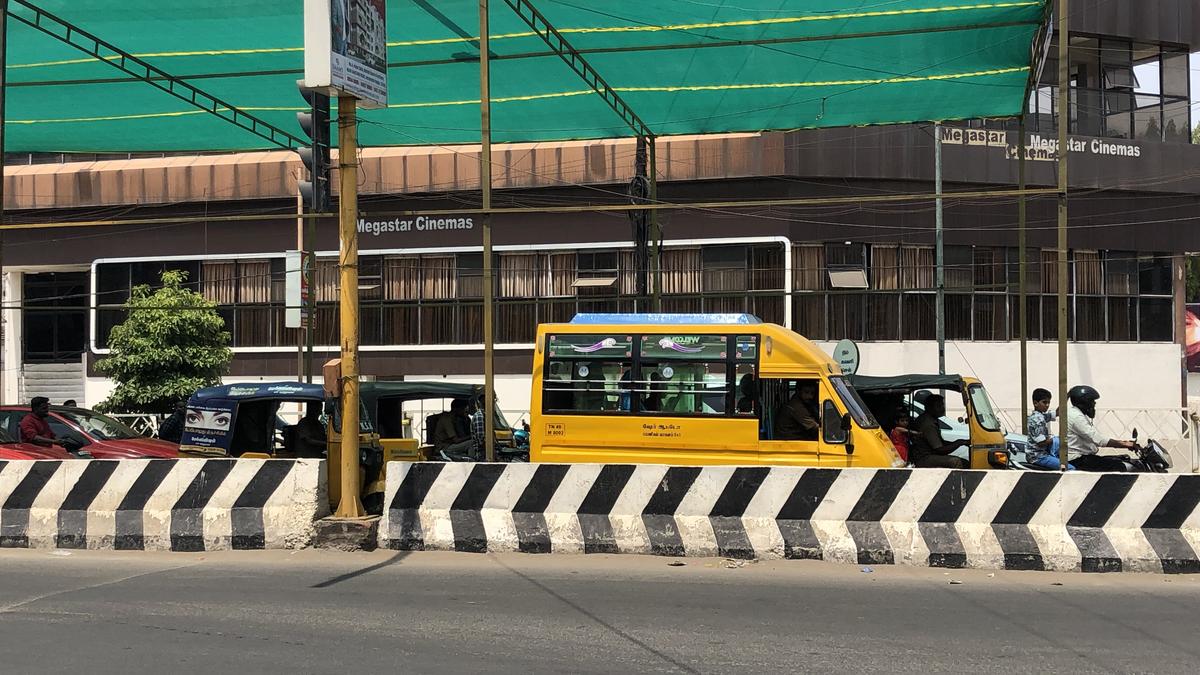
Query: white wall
point(1137, 376)
point(11, 353)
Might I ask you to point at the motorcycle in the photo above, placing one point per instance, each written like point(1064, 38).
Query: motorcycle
point(1149, 458)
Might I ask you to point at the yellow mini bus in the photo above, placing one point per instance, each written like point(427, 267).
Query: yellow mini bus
point(695, 390)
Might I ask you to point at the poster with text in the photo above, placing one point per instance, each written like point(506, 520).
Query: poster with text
point(345, 48)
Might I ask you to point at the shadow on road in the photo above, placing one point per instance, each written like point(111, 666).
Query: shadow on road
point(400, 555)
point(607, 626)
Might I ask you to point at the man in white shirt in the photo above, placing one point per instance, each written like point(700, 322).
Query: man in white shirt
point(1084, 440)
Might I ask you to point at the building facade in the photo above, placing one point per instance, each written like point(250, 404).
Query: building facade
point(855, 267)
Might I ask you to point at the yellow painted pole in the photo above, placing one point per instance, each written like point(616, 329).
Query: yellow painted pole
point(350, 506)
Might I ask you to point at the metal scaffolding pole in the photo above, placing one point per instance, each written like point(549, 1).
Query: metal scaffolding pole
point(1064, 151)
point(485, 180)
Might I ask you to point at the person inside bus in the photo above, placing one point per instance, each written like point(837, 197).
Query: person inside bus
point(747, 403)
point(453, 433)
point(926, 448)
point(654, 400)
point(797, 419)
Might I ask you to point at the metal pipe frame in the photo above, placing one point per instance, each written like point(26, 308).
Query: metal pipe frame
point(69, 34)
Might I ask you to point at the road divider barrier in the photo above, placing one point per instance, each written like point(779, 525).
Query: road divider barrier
point(161, 504)
point(927, 517)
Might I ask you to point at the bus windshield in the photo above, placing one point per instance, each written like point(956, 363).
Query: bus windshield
point(850, 398)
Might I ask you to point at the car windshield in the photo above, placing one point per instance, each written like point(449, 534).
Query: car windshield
point(850, 398)
point(983, 408)
point(100, 427)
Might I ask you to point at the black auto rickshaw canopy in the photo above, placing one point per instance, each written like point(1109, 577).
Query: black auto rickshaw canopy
point(384, 401)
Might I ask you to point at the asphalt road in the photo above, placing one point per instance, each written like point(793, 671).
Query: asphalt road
point(325, 612)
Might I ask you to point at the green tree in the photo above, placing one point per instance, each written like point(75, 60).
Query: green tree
point(172, 343)
point(1196, 135)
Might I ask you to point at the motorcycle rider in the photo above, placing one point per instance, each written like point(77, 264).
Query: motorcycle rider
point(1083, 439)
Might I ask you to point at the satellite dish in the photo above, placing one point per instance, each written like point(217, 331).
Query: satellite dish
point(846, 355)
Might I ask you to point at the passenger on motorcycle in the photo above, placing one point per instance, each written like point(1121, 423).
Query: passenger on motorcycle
point(1083, 439)
point(1044, 451)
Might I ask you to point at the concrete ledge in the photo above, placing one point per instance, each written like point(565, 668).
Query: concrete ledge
point(161, 504)
point(347, 534)
point(927, 517)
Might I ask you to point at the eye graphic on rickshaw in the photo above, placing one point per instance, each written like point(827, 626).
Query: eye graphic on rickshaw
point(221, 421)
point(194, 418)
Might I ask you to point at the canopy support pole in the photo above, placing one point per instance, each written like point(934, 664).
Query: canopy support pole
point(940, 327)
point(106, 52)
point(3, 120)
point(647, 237)
point(1064, 150)
point(1023, 309)
point(485, 181)
point(655, 233)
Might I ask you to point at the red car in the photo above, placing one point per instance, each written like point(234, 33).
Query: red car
point(99, 435)
point(11, 448)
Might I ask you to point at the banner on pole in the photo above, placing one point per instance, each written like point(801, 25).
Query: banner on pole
point(345, 49)
point(293, 316)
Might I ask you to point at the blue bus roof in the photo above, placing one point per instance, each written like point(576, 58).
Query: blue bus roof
point(296, 391)
point(666, 319)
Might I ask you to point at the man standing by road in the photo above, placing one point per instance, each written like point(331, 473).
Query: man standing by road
point(34, 427)
point(927, 449)
point(478, 428)
point(1083, 439)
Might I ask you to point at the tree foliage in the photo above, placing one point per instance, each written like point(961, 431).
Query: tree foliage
point(172, 343)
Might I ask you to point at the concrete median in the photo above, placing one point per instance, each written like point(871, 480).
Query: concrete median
point(995, 520)
point(161, 504)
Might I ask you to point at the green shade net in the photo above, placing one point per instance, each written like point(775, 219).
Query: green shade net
point(684, 66)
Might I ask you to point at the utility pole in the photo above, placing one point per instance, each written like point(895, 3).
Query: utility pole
point(3, 120)
point(1023, 310)
point(485, 180)
point(655, 231)
point(639, 191)
point(1064, 150)
point(350, 506)
point(940, 253)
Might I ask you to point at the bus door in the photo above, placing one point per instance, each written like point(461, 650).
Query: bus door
point(789, 432)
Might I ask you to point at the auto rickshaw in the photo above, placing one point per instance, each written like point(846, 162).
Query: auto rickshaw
point(889, 397)
point(386, 404)
point(243, 420)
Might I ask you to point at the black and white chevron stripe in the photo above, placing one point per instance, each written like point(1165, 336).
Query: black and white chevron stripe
point(997, 519)
point(160, 504)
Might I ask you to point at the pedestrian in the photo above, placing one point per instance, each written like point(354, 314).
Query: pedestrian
point(1044, 446)
point(478, 429)
point(452, 436)
point(70, 403)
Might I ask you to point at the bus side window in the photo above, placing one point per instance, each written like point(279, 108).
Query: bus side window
point(746, 394)
point(831, 424)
